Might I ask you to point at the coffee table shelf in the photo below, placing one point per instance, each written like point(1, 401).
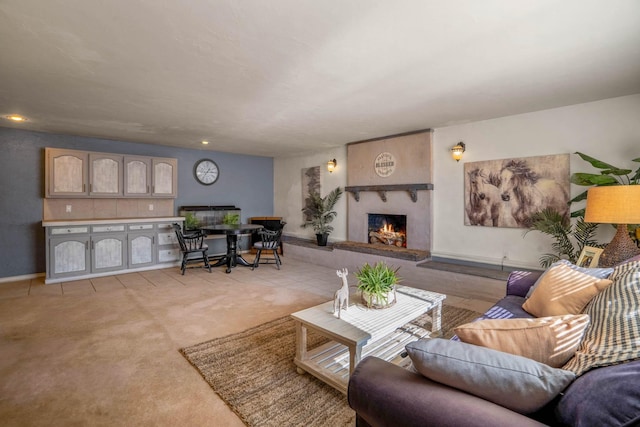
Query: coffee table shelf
point(362, 332)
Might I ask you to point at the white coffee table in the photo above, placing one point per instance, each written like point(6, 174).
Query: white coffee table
point(361, 332)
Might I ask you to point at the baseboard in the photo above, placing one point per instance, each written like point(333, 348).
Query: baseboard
point(19, 278)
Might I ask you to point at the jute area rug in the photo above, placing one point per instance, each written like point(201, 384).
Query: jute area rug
point(253, 372)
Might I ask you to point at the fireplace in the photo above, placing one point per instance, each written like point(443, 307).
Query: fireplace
point(406, 191)
point(387, 229)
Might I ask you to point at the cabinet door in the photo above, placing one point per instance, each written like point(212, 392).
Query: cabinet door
point(69, 256)
point(141, 249)
point(66, 173)
point(105, 173)
point(108, 252)
point(137, 176)
point(165, 177)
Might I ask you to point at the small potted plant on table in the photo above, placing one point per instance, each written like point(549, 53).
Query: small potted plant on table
point(378, 284)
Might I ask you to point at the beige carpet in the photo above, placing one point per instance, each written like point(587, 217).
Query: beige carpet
point(254, 373)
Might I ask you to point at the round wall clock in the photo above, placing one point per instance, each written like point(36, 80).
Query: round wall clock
point(384, 164)
point(206, 171)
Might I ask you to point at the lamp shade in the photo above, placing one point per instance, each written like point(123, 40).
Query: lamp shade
point(614, 204)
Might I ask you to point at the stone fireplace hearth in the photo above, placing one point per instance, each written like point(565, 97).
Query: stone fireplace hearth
point(417, 214)
point(404, 192)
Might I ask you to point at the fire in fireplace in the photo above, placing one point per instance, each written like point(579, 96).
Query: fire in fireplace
point(388, 230)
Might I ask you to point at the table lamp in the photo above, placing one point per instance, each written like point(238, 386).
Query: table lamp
point(615, 204)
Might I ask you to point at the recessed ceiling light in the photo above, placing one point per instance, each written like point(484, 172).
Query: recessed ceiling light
point(16, 118)
point(205, 142)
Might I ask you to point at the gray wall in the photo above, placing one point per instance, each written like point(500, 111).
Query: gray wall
point(245, 181)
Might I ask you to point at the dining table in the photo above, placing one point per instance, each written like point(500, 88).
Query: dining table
point(232, 257)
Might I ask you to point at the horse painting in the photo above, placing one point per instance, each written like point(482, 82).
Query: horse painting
point(506, 193)
point(484, 200)
point(530, 193)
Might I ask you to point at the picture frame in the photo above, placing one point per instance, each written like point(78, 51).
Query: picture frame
point(508, 192)
point(589, 256)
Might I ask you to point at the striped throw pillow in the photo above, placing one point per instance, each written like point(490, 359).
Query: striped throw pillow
point(613, 336)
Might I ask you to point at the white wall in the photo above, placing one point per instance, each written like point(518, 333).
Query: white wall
point(288, 190)
point(608, 130)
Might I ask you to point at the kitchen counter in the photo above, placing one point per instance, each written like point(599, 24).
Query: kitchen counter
point(86, 248)
point(72, 222)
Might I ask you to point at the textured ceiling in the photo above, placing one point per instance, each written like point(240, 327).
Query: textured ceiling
point(287, 77)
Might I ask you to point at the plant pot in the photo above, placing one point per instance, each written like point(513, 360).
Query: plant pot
point(379, 301)
point(322, 239)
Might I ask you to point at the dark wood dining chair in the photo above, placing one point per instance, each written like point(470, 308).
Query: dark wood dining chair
point(193, 248)
point(269, 241)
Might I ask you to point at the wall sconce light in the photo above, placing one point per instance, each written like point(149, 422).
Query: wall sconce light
point(331, 165)
point(457, 150)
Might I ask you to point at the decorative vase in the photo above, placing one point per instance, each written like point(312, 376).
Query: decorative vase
point(322, 239)
point(377, 301)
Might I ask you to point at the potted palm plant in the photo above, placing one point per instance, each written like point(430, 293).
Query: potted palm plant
point(377, 284)
point(319, 213)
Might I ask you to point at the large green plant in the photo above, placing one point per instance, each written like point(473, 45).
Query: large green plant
point(609, 175)
point(569, 240)
point(319, 212)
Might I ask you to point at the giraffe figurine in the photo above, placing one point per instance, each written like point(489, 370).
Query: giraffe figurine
point(341, 298)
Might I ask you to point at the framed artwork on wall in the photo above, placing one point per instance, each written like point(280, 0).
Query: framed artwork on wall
point(508, 192)
point(589, 257)
point(310, 184)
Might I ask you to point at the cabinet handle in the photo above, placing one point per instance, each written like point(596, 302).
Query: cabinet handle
point(90, 188)
point(86, 245)
point(93, 245)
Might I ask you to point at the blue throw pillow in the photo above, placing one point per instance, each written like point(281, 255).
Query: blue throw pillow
point(515, 382)
point(608, 396)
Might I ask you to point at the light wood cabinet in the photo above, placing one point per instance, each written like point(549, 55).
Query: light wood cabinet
point(66, 173)
point(165, 177)
point(105, 175)
point(73, 173)
point(137, 176)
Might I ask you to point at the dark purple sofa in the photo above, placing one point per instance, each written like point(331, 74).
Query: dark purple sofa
point(383, 394)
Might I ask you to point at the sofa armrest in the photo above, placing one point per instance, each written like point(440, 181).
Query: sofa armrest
point(519, 282)
point(383, 394)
